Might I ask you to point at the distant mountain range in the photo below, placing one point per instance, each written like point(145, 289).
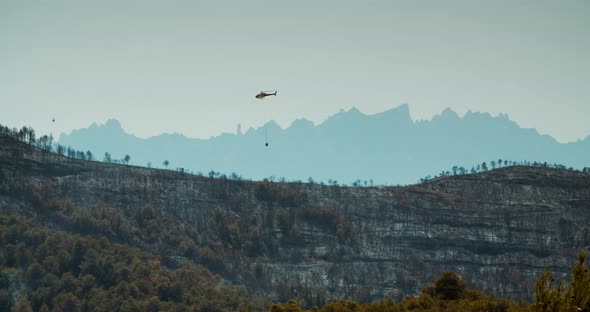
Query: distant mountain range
point(388, 147)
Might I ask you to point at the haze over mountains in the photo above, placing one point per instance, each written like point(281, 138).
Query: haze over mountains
point(388, 147)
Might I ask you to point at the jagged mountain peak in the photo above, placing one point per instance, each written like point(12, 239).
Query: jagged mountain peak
point(388, 147)
point(448, 113)
point(271, 125)
point(342, 114)
point(113, 124)
point(355, 111)
point(401, 110)
point(301, 123)
point(400, 113)
point(477, 114)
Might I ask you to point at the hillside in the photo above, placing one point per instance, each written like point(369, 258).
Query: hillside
point(497, 229)
point(388, 147)
point(45, 269)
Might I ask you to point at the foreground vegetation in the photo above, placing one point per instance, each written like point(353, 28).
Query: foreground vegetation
point(46, 269)
point(449, 293)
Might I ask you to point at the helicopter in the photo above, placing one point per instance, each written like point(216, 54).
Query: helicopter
point(264, 94)
point(261, 96)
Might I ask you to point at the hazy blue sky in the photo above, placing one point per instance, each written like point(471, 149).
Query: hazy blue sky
point(194, 66)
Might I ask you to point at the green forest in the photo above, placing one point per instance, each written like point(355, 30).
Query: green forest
point(49, 270)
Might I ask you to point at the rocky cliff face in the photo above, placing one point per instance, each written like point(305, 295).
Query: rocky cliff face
point(497, 229)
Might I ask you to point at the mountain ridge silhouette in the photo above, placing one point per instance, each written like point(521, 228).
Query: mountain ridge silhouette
point(388, 147)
